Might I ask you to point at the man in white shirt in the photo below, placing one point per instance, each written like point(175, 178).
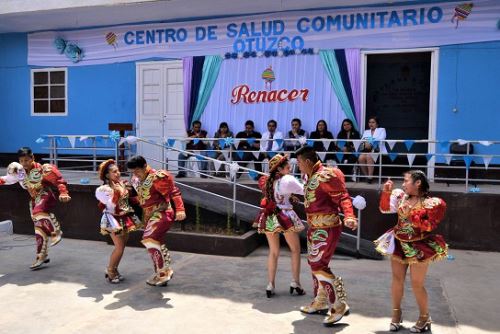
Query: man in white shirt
point(271, 141)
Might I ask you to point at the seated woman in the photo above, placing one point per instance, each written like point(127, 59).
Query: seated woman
point(323, 133)
point(348, 132)
point(371, 144)
point(223, 132)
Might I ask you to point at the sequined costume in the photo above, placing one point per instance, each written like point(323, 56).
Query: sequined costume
point(326, 197)
point(155, 194)
point(277, 215)
point(39, 182)
point(412, 239)
point(117, 214)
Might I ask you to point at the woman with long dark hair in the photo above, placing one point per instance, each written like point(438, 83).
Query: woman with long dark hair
point(348, 133)
point(322, 132)
point(118, 218)
point(277, 216)
point(412, 243)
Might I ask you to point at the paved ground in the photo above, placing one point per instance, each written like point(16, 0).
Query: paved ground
point(213, 294)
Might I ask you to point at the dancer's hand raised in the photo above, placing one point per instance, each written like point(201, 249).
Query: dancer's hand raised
point(388, 186)
point(180, 215)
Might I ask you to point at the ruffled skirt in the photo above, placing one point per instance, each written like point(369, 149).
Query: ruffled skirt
point(432, 248)
point(118, 224)
point(285, 221)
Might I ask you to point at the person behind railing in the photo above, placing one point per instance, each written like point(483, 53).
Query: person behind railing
point(269, 145)
point(39, 180)
point(322, 132)
point(372, 143)
point(348, 133)
point(222, 133)
point(118, 217)
point(295, 133)
point(248, 147)
point(412, 243)
point(277, 216)
point(196, 144)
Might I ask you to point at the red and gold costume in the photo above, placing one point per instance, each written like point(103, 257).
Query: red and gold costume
point(39, 182)
point(155, 194)
point(412, 239)
point(326, 197)
point(118, 216)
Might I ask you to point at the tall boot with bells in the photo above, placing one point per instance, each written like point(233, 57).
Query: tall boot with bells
point(41, 256)
point(320, 303)
point(56, 235)
point(318, 306)
point(339, 308)
point(165, 273)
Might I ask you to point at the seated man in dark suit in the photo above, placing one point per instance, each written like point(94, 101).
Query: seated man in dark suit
point(197, 134)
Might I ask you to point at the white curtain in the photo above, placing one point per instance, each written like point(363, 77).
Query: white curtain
point(293, 72)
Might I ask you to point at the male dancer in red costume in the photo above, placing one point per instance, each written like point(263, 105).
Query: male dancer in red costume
point(155, 192)
point(325, 196)
point(38, 180)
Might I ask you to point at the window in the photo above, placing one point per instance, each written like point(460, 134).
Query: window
point(49, 92)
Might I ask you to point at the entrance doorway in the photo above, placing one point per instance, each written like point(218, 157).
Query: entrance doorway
point(160, 109)
point(400, 92)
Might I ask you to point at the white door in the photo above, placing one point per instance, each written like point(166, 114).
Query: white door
point(160, 109)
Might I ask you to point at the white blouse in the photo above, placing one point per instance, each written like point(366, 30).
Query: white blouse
point(378, 135)
point(284, 187)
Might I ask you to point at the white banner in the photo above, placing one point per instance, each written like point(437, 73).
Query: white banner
point(416, 25)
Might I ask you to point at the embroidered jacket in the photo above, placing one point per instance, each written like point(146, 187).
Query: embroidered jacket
point(38, 181)
point(156, 191)
point(414, 223)
point(325, 195)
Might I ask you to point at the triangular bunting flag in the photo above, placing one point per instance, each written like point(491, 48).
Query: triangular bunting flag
point(468, 159)
point(447, 158)
point(310, 142)
point(485, 142)
point(253, 174)
point(217, 164)
point(236, 142)
point(271, 154)
point(429, 156)
point(409, 143)
point(196, 141)
point(444, 145)
point(487, 160)
point(226, 155)
point(462, 141)
point(339, 156)
point(251, 141)
point(411, 158)
point(356, 154)
point(239, 154)
point(374, 156)
point(393, 156)
point(83, 138)
point(326, 144)
point(72, 140)
point(222, 143)
point(279, 142)
point(321, 155)
point(39, 140)
point(170, 142)
point(200, 157)
point(341, 143)
point(357, 143)
point(391, 143)
point(256, 154)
